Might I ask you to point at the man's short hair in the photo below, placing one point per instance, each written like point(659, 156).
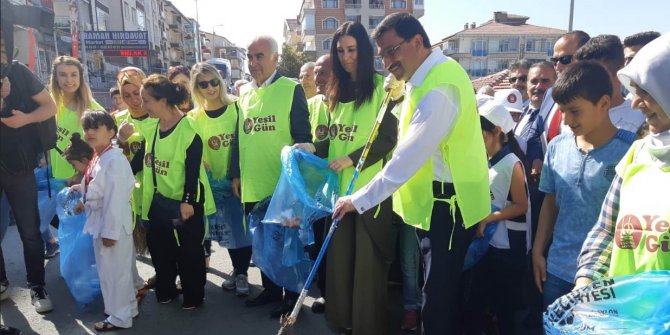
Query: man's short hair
point(585, 79)
point(308, 65)
point(520, 64)
point(114, 90)
point(581, 36)
point(640, 39)
point(603, 48)
point(274, 47)
point(544, 64)
point(405, 25)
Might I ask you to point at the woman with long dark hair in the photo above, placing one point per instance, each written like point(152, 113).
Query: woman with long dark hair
point(176, 195)
point(360, 252)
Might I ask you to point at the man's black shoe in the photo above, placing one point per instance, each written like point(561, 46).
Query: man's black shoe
point(284, 308)
point(264, 298)
point(5, 330)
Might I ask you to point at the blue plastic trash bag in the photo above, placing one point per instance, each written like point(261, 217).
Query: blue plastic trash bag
point(46, 202)
point(77, 258)
point(306, 191)
point(41, 179)
point(636, 304)
point(479, 246)
point(278, 251)
point(227, 226)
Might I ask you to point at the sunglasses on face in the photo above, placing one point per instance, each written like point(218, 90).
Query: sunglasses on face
point(513, 80)
point(204, 84)
point(130, 74)
point(565, 60)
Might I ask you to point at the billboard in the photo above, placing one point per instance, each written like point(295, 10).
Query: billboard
point(115, 40)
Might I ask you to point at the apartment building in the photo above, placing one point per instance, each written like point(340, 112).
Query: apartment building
point(318, 19)
point(492, 46)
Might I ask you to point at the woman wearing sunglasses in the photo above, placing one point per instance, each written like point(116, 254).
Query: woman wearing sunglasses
point(359, 253)
point(73, 96)
point(216, 115)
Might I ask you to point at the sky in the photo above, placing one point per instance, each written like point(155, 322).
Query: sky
point(241, 20)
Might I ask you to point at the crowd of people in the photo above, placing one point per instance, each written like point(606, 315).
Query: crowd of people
point(565, 164)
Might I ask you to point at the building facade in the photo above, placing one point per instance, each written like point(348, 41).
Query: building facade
point(492, 46)
point(318, 19)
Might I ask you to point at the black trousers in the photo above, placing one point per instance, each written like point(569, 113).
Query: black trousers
point(268, 284)
point(320, 228)
point(240, 257)
point(497, 282)
point(185, 257)
point(443, 249)
point(21, 191)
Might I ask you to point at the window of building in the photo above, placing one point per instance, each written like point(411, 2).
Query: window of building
point(308, 22)
point(353, 18)
point(327, 43)
point(330, 23)
point(101, 17)
point(479, 48)
point(126, 9)
point(133, 16)
point(352, 4)
point(538, 45)
point(377, 4)
point(398, 4)
point(374, 21)
point(328, 3)
point(140, 19)
point(509, 45)
point(418, 2)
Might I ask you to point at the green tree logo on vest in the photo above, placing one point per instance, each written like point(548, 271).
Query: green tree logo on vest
point(161, 166)
point(343, 132)
point(222, 140)
point(260, 124)
point(321, 132)
point(628, 232)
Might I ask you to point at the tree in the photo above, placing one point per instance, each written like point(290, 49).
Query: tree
point(291, 60)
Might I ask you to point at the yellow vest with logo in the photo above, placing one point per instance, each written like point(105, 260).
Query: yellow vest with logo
point(642, 234)
point(349, 130)
point(134, 143)
point(264, 129)
point(318, 117)
point(462, 150)
point(170, 168)
point(68, 123)
point(218, 135)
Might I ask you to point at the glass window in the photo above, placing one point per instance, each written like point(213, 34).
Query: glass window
point(326, 44)
point(479, 48)
point(398, 4)
point(330, 23)
point(329, 4)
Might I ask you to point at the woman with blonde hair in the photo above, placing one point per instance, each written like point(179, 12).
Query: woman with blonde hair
point(216, 114)
point(72, 96)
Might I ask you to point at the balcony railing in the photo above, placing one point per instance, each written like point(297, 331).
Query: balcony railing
point(377, 5)
point(352, 5)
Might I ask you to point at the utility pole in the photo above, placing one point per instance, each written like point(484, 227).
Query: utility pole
point(198, 50)
point(572, 12)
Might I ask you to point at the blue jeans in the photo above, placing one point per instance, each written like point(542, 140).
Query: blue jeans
point(409, 265)
point(555, 288)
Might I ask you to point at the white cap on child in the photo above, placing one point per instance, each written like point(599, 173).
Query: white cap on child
point(498, 115)
point(511, 99)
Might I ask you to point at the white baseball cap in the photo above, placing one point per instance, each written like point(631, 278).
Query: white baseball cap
point(497, 114)
point(482, 98)
point(511, 99)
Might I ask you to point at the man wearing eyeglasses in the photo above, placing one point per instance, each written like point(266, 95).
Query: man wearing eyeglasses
point(438, 174)
point(273, 114)
point(518, 77)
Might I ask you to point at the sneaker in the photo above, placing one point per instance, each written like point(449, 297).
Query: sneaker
point(241, 285)
point(164, 300)
point(4, 290)
point(5, 330)
point(319, 306)
point(51, 250)
point(229, 284)
point(40, 300)
point(409, 320)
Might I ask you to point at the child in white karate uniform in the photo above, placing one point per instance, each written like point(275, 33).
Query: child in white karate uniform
point(107, 187)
